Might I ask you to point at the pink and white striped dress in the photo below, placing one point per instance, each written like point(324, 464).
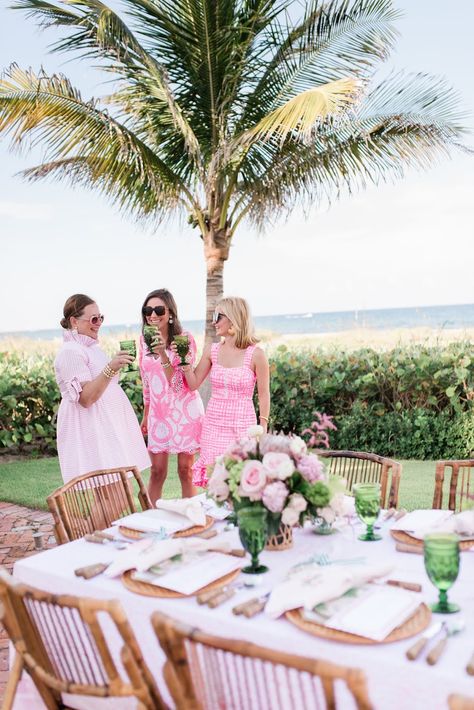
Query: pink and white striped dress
point(230, 411)
point(106, 434)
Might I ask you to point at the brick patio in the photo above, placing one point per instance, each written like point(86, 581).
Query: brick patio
point(17, 525)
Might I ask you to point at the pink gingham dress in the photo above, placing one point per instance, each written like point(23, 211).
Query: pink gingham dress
point(175, 413)
point(230, 411)
point(106, 434)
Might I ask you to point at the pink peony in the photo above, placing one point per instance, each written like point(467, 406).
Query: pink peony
point(278, 465)
point(252, 479)
point(297, 502)
point(274, 496)
point(290, 516)
point(298, 446)
point(248, 446)
point(311, 468)
point(218, 487)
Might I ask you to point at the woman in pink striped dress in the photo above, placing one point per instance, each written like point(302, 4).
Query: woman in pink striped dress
point(97, 427)
point(236, 364)
point(173, 414)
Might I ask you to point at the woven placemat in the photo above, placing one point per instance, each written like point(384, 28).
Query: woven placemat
point(412, 626)
point(133, 534)
point(402, 536)
point(151, 590)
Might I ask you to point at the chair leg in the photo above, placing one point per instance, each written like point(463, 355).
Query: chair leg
point(12, 684)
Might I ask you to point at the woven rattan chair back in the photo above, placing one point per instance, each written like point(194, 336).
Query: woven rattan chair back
point(204, 672)
point(93, 501)
point(363, 467)
point(60, 642)
point(461, 484)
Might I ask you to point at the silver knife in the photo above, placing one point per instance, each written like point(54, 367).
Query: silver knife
point(415, 650)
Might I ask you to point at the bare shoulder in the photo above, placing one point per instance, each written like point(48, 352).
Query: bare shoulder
point(259, 356)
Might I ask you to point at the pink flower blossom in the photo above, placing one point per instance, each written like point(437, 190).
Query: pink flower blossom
point(274, 496)
point(319, 430)
point(290, 516)
point(311, 468)
point(278, 465)
point(218, 487)
point(253, 479)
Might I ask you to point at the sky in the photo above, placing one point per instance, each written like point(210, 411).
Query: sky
point(404, 244)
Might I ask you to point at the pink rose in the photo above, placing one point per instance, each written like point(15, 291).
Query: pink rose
point(252, 479)
point(218, 487)
point(278, 465)
point(274, 496)
point(290, 516)
point(311, 468)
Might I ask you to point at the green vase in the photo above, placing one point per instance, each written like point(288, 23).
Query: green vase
point(252, 523)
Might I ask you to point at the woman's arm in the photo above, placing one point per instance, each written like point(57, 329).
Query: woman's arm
point(196, 377)
point(262, 372)
point(94, 389)
point(159, 348)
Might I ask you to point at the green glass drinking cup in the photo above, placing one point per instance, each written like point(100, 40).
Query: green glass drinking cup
point(131, 348)
point(441, 552)
point(253, 530)
point(367, 505)
point(149, 334)
point(182, 347)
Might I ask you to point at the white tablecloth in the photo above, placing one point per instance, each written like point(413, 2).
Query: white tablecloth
point(393, 681)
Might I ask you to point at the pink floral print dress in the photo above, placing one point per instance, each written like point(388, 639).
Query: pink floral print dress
point(175, 413)
point(230, 411)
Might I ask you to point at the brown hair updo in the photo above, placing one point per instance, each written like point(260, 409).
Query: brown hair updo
point(73, 308)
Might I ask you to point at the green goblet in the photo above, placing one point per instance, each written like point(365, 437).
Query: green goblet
point(252, 523)
point(441, 552)
point(182, 347)
point(367, 505)
point(149, 334)
point(130, 347)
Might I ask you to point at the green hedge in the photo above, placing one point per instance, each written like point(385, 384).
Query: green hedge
point(410, 402)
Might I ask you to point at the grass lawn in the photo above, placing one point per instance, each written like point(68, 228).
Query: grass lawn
point(28, 482)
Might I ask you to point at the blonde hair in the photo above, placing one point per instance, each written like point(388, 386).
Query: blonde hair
point(237, 311)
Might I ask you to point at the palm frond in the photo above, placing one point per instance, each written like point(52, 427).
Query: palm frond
point(81, 139)
point(299, 116)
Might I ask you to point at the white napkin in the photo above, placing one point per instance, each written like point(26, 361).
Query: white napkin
point(155, 521)
point(164, 549)
point(190, 508)
point(313, 584)
point(461, 524)
point(419, 522)
point(127, 559)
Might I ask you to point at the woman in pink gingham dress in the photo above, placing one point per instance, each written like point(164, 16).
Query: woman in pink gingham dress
point(236, 365)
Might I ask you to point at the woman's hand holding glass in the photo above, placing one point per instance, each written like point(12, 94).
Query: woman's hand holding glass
point(184, 368)
point(158, 345)
point(121, 359)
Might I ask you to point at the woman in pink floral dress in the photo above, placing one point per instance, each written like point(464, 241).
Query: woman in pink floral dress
point(236, 364)
point(173, 414)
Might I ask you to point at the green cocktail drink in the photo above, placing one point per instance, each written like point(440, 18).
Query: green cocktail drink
point(131, 348)
point(182, 347)
point(149, 334)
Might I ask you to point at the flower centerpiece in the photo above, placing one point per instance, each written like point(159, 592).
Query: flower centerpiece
point(276, 473)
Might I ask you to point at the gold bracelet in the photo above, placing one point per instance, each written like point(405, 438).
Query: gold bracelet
point(262, 417)
point(165, 364)
point(108, 372)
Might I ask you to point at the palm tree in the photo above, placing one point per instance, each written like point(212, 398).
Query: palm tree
point(227, 109)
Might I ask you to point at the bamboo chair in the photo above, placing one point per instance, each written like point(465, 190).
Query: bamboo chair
point(460, 702)
point(59, 641)
point(204, 672)
point(93, 501)
point(363, 467)
point(461, 484)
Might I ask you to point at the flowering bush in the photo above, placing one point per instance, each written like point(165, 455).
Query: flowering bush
point(278, 473)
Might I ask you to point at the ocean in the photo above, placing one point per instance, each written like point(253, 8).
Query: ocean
point(436, 317)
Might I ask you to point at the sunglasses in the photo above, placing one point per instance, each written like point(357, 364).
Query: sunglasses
point(94, 320)
point(148, 310)
point(217, 316)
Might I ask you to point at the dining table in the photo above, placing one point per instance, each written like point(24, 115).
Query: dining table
point(394, 682)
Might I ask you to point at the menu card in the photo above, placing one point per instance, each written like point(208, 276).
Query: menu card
point(188, 573)
point(373, 611)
